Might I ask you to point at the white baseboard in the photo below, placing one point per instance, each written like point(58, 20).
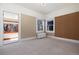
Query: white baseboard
point(30, 38)
point(65, 39)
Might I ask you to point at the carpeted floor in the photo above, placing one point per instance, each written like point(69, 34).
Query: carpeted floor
point(46, 46)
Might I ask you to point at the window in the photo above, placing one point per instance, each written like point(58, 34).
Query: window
point(50, 26)
point(40, 25)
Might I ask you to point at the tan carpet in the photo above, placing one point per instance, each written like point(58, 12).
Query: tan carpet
point(45, 46)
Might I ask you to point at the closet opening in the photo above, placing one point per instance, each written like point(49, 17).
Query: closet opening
point(10, 27)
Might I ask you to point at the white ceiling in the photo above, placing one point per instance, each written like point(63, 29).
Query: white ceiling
point(49, 7)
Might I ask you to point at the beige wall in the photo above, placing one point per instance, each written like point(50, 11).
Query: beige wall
point(28, 26)
point(50, 34)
